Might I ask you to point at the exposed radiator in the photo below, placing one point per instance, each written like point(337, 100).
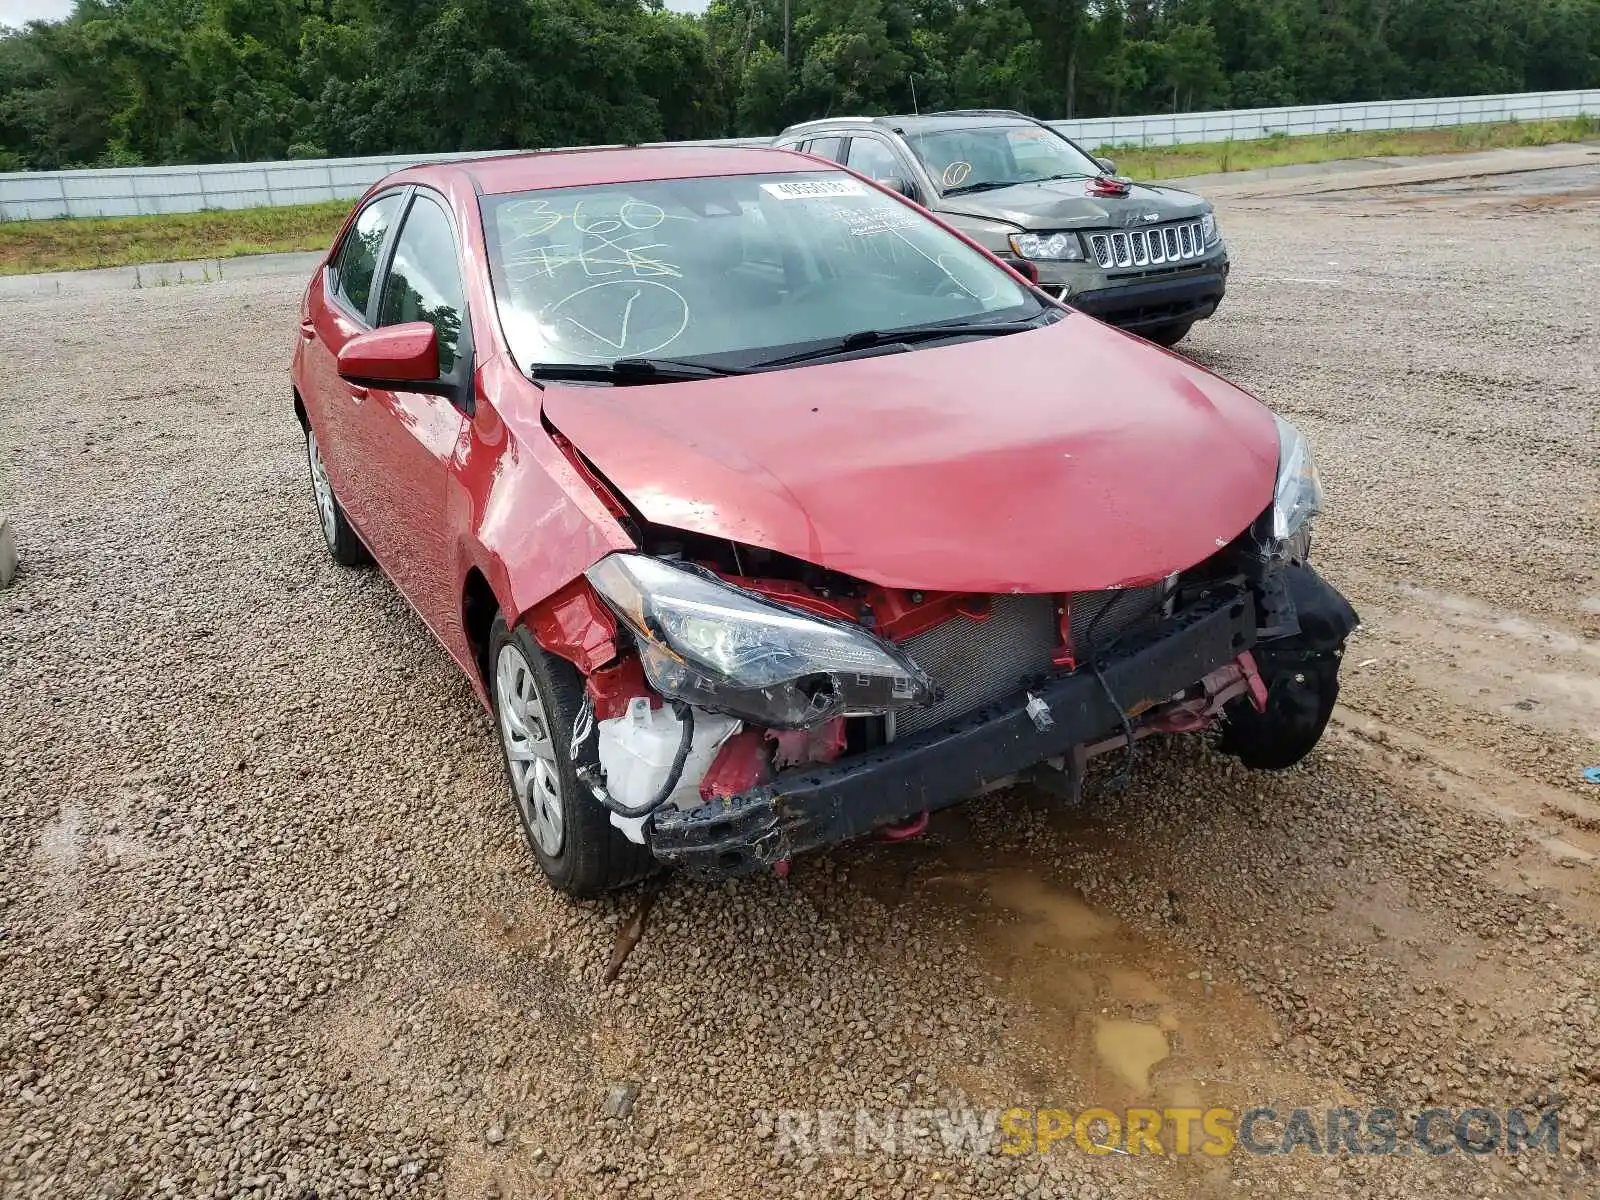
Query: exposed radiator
point(977, 662)
point(1099, 617)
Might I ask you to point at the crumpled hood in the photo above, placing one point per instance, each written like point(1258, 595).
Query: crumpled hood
point(1069, 458)
point(1066, 204)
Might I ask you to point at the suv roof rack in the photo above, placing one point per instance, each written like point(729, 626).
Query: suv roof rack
point(892, 120)
point(979, 112)
point(831, 121)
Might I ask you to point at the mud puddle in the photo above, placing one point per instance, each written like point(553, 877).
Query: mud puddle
point(1104, 1014)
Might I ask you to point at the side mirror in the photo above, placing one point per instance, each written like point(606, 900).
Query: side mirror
point(1026, 269)
point(395, 354)
point(1108, 165)
point(896, 184)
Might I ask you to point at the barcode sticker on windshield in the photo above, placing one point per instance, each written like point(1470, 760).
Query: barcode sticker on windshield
point(808, 189)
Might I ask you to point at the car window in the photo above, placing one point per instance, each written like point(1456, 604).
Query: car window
point(960, 159)
point(357, 261)
point(424, 281)
point(825, 147)
point(737, 266)
point(874, 160)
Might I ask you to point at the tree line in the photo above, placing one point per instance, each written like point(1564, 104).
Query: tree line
point(129, 82)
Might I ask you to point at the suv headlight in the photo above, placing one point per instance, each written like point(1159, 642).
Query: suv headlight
point(1298, 494)
point(1208, 228)
point(1050, 247)
point(708, 643)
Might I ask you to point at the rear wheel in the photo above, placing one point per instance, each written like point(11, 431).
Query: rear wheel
point(343, 543)
point(536, 700)
point(1170, 335)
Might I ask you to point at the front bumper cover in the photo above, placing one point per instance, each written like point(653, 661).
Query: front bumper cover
point(1156, 302)
point(818, 805)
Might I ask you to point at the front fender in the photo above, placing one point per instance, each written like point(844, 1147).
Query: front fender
point(536, 523)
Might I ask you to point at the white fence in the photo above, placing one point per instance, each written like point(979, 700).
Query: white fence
point(128, 191)
point(1242, 124)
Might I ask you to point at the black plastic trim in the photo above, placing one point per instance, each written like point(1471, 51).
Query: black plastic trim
point(819, 806)
point(1188, 296)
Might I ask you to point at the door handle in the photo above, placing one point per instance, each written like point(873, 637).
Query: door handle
point(308, 331)
point(358, 394)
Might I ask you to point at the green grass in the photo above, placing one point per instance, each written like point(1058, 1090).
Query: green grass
point(70, 245)
point(1173, 162)
point(66, 245)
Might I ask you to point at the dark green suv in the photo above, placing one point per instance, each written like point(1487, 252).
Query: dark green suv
point(1148, 258)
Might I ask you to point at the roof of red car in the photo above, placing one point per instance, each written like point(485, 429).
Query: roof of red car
point(574, 168)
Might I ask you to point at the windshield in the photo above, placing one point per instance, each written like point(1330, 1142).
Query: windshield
point(732, 267)
point(961, 160)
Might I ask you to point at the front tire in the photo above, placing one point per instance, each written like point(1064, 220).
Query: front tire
point(1170, 335)
point(343, 543)
point(536, 699)
point(1301, 692)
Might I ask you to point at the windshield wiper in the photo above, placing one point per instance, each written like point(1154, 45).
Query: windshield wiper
point(625, 371)
point(867, 338)
point(987, 186)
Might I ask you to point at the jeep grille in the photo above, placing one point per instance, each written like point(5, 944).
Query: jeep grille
point(1164, 244)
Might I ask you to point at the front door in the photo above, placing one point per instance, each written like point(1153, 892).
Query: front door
point(345, 311)
point(411, 440)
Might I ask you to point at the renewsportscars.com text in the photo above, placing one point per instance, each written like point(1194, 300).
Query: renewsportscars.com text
point(1263, 1130)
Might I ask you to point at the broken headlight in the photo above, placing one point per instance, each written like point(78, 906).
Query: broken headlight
point(1297, 496)
point(707, 643)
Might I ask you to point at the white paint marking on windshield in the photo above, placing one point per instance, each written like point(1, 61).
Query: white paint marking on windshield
point(622, 336)
point(671, 316)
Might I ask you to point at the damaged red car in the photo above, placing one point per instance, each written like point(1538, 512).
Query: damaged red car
point(764, 511)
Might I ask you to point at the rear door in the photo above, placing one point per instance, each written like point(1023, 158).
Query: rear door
point(827, 146)
point(875, 158)
point(409, 440)
point(343, 311)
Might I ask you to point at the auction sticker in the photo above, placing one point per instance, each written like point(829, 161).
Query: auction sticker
point(808, 189)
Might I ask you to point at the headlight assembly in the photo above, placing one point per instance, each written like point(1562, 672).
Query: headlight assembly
point(714, 645)
point(1209, 230)
point(1050, 247)
point(1298, 494)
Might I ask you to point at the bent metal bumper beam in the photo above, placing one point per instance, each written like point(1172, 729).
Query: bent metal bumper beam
point(821, 805)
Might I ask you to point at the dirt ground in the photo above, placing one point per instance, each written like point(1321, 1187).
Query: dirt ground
point(267, 927)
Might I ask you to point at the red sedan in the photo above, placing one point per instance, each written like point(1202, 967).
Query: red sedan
point(764, 511)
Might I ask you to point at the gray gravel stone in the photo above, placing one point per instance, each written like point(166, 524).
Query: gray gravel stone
point(619, 1100)
point(267, 925)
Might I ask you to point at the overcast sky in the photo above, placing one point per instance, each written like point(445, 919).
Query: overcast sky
point(20, 12)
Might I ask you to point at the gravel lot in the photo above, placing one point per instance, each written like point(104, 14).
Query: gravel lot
point(267, 926)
